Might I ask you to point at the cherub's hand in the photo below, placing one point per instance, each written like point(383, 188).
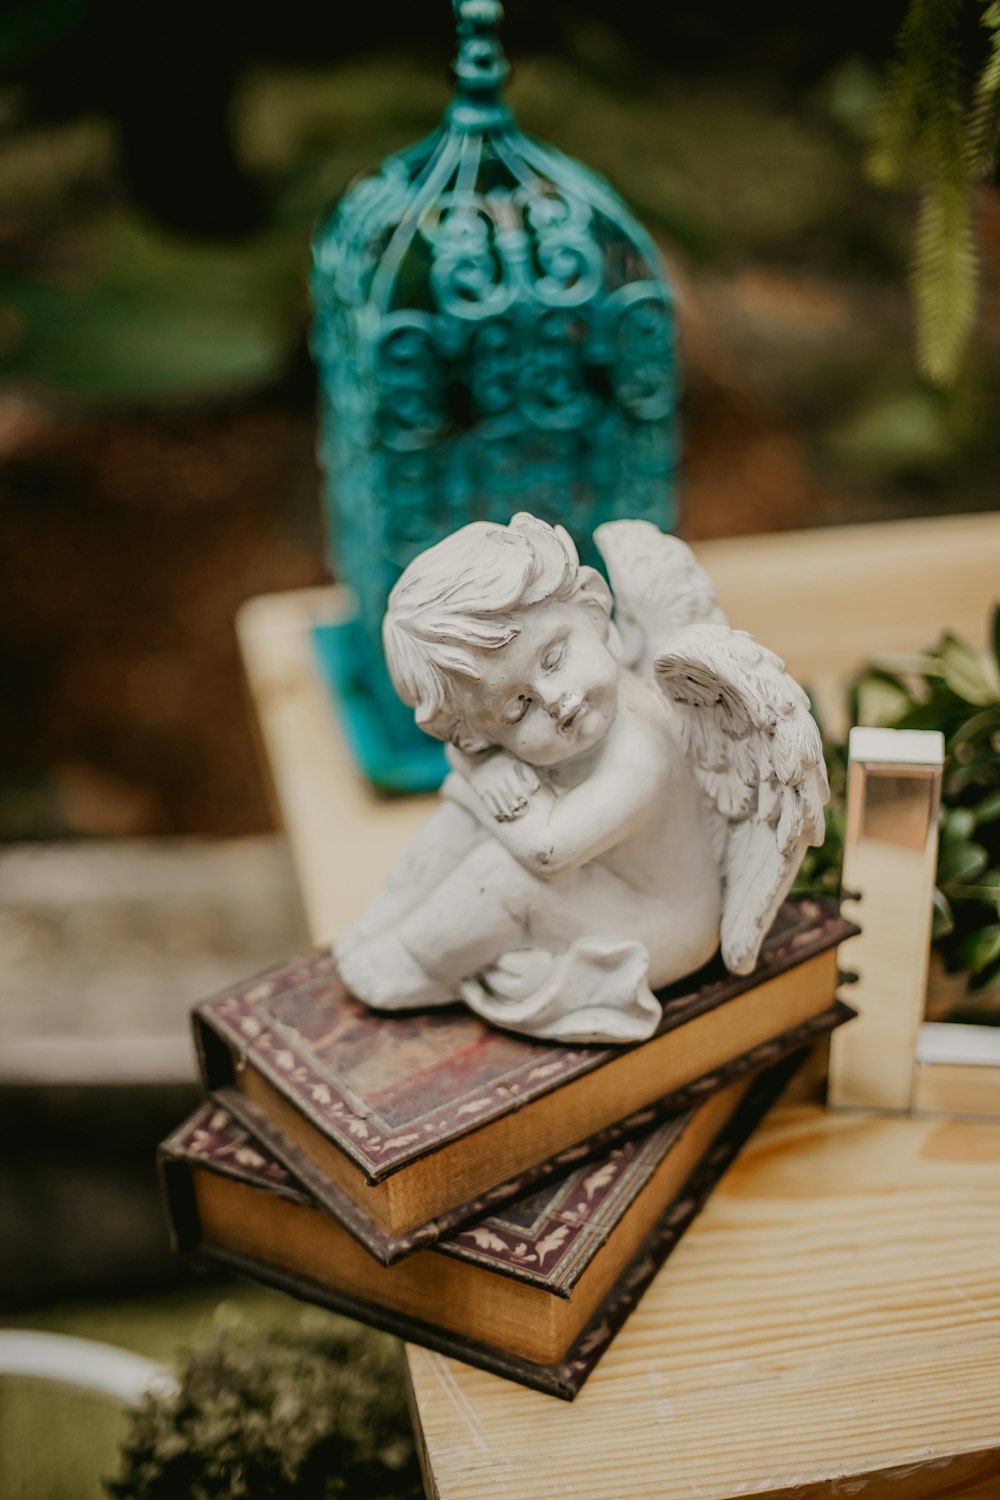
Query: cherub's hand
point(504, 784)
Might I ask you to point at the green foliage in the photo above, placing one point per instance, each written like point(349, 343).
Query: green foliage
point(944, 276)
point(899, 432)
point(315, 1409)
point(938, 130)
point(954, 688)
point(984, 121)
point(146, 315)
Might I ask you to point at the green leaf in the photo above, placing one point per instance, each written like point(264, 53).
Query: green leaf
point(961, 863)
point(957, 824)
point(941, 711)
point(916, 82)
point(957, 892)
point(984, 121)
point(988, 810)
point(981, 771)
point(944, 917)
point(984, 723)
point(920, 138)
point(969, 673)
point(985, 980)
point(945, 271)
point(996, 636)
point(909, 663)
point(984, 890)
point(980, 949)
point(895, 432)
point(880, 699)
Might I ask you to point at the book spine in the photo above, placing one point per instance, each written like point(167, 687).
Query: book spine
point(177, 1195)
point(216, 1062)
point(383, 1247)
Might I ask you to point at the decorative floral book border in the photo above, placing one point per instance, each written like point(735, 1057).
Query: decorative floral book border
point(243, 1019)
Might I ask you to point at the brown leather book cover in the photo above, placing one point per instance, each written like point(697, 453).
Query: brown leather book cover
point(387, 1248)
point(387, 1090)
point(547, 1238)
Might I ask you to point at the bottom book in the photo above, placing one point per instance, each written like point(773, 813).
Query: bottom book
point(535, 1293)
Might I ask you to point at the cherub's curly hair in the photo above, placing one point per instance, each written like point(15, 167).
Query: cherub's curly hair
point(464, 593)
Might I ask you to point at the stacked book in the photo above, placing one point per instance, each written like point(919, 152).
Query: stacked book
point(502, 1200)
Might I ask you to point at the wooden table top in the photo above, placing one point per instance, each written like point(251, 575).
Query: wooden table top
point(831, 1324)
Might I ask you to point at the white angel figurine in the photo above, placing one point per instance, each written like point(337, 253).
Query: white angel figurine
point(624, 795)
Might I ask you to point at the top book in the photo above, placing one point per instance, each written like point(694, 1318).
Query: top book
point(411, 1115)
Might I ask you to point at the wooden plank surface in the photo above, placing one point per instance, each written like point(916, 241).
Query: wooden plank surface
point(834, 1314)
point(831, 1325)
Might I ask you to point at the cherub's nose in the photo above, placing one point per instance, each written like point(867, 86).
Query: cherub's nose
point(560, 706)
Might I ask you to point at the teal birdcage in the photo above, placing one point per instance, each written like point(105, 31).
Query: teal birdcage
point(494, 333)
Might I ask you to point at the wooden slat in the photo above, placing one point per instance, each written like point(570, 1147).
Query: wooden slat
point(951, 1089)
point(890, 859)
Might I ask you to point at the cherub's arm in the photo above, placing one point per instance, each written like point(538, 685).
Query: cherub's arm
point(556, 833)
point(501, 781)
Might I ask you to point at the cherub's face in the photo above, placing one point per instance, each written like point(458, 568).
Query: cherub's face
point(550, 694)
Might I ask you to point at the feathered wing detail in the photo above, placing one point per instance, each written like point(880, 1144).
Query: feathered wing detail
point(746, 728)
point(658, 585)
point(744, 723)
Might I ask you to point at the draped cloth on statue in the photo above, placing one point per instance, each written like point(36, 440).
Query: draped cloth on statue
point(593, 991)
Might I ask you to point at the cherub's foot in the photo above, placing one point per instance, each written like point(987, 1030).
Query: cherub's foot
point(386, 909)
point(518, 974)
point(383, 973)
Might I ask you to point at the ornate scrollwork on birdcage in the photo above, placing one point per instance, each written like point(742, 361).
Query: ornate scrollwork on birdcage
point(494, 333)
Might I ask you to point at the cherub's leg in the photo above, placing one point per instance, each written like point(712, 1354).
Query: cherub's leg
point(480, 910)
point(448, 835)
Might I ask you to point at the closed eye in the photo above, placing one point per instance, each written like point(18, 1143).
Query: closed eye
point(515, 710)
point(553, 657)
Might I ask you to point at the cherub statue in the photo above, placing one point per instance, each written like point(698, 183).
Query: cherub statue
point(623, 795)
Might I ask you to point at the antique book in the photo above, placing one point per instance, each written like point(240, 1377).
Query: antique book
point(388, 1248)
point(413, 1118)
point(535, 1292)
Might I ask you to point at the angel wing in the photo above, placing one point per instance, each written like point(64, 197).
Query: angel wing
point(755, 748)
point(658, 587)
point(744, 724)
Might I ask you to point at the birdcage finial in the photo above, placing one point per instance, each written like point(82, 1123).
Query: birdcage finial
point(480, 65)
